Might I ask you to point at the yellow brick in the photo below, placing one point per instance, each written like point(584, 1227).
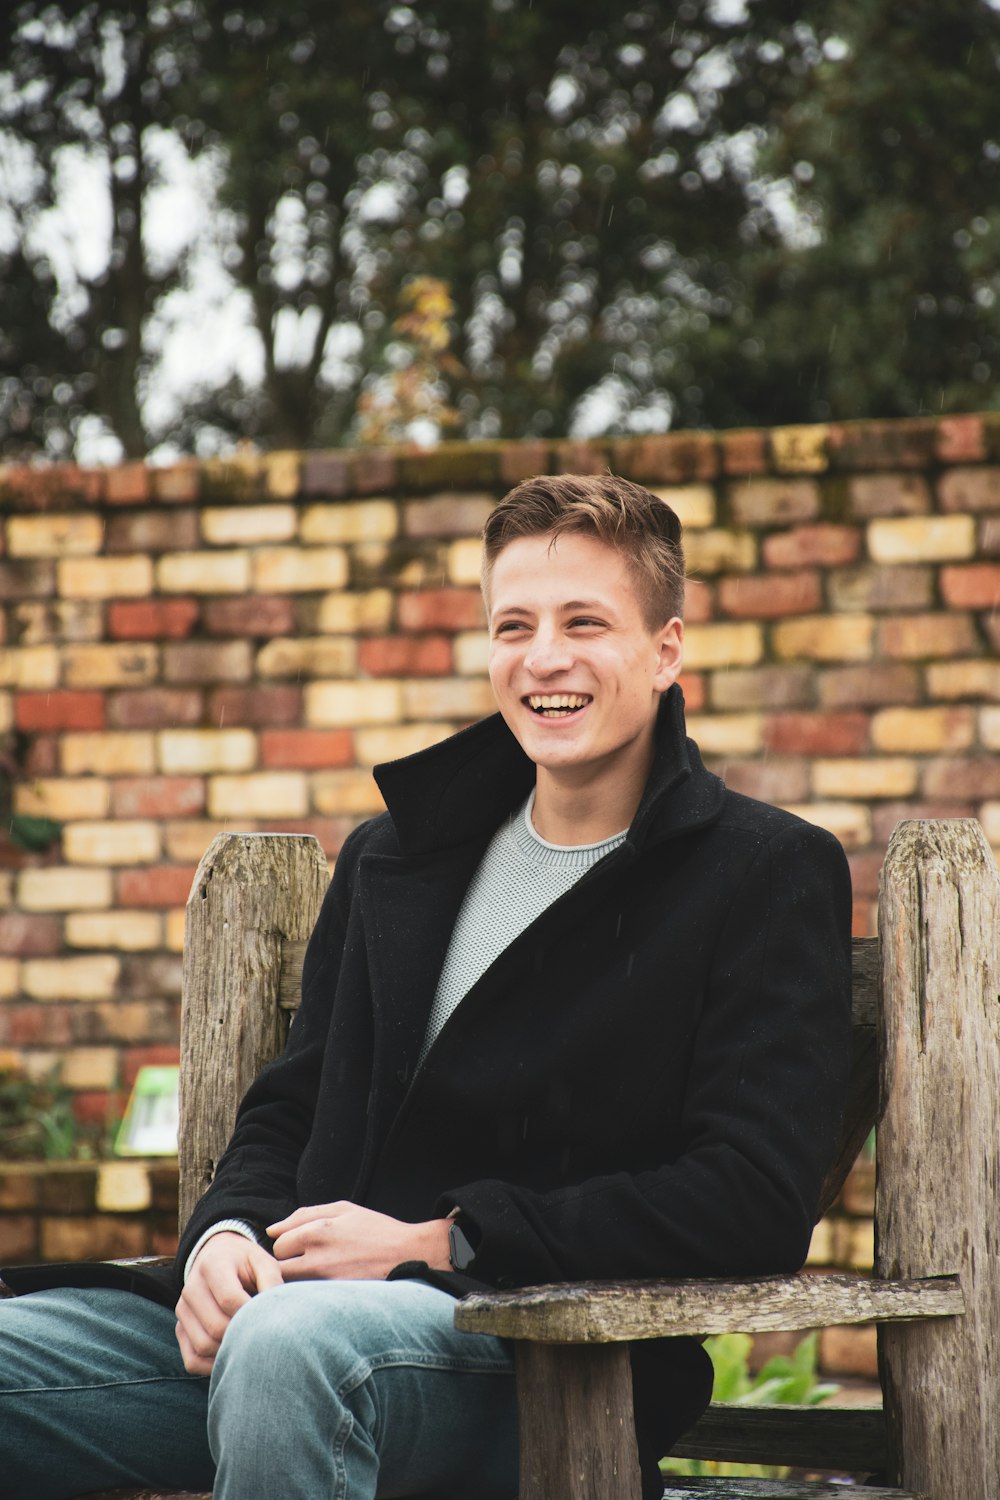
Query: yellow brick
point(861, 1245)
point(92, 978)
point(118, 843)
point(131, 931)
point(800, 450)
point(113, 754)
point(989, 816)
point(106, 577)
point(63, 798)
point(6, 712)
point(329, 704)
point(240, 525)
point(123, 1187)
point(825, 637)
point(375, 745)
point(737, 645)
point(346, 792)
point(821, 1245)
point(30, 667)
point(889, 776)
point(347, 613)
point(472, 653)
point(464, 558)
point(989, 727)
point(693, 504)
point(718, 551)
point(135, 664)
point(90, 1068)
point(199, 752)
point(727, 734)
point(267, 794)
point(294, 570)
point(54, 536)
point(979, 678)
point(204, 573)
point(10, 978)
point(357, 521)
point(458, 698)
point(317, 656)
point(63, 888)
point(850, 822)
point(176, 920)
point(922, 539)
point(282, 473)
point(186, 839)
point(916, 730)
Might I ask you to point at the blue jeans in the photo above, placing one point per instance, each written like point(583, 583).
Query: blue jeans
point(324, 1390)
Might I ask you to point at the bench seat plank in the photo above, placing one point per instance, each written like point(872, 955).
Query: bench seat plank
point(780, 1489)
point(805, 1437)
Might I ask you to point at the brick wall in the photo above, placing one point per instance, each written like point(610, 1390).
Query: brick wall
point(233, 644)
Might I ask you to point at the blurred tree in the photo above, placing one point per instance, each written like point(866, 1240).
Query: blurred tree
point(709, 213)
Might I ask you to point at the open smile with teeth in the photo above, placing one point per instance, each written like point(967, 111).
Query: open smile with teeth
point(556, 705)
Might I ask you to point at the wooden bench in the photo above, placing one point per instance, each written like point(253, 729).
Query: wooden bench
point(926, 1064)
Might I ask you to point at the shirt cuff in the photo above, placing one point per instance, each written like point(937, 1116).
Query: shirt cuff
point(224, 1226)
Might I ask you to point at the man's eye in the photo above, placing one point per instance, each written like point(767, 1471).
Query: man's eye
point(586, 622)
point(509, 627)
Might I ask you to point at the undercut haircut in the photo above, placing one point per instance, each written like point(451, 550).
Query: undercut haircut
point(615, 511)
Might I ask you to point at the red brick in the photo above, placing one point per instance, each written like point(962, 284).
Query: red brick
point(925, 637)
point(279, 703)
point(156, 885)
point(156, 708)
point(37, 1025)
point(965, 490)
point(865, 868)
point(405, 656)
point(763, 687)
point(768, 597)
point(960, 439)
point(669, 458)
point(326, 474)
point(95, 1106)
point(128, 484)
point(331, 832)
point(968, 777)
point(163, 1238)
point(817, 733)
point(27, 578)
point(257, 614)
point(699, 602)
point(375, 471)
point(178, 483)
point(58, 710)
point(745, 453)
point(42, 757)
point(151, 619)
point(906, 443)
point(864, 917)
point(582, 457)
point(437, 516)
point(18, 1237)
point(973, 587)
point(773, 502)
point(875, 685)
point(770, 780)
point(207, 661)
point(134, 1058)
point(158, 797)
point(523, 460)
point(150, 976)
point(889, 495)
point(441, 609)
point(989, 537)
point(308, 749)
point(871, 587)
point(152, 531)
point(849, 1351)
point(693, 687)
point(29, 934)
point(829, 546)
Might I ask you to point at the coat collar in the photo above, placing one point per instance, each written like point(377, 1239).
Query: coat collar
point(464, 787)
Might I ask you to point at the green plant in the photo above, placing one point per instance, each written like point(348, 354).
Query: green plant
point(37, 1122)
point(786, 1379)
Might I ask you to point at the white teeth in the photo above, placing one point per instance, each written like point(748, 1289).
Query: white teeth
point(544, 702)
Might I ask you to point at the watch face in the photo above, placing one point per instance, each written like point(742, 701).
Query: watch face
point(460, 1252)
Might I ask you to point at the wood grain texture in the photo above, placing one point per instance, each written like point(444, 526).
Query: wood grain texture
point(780, 1489)
point(576, 1434)
point(253, 903)
point(805, 1437)
point(601, 1312)
point(939, 1152)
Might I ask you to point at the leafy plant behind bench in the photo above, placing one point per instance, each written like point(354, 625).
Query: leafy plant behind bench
point(37, 1122)
point(786, 1379)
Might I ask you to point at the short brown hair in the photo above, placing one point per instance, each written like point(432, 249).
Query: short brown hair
point(615, 511)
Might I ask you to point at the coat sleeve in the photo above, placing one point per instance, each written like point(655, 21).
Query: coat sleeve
point(760, 1116)
point(255, 1179)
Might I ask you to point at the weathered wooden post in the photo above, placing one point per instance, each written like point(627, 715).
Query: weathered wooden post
point(938, 1190)
point(575, 1442)
point(252, 906)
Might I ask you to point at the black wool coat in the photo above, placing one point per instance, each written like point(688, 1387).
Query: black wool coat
point(647, 1083)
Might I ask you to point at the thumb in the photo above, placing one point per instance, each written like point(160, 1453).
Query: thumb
point(264, 1269)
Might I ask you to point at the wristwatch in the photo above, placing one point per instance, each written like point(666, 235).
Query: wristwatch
point(460, 1250)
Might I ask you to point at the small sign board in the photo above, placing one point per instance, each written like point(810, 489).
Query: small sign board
point(152, 1115)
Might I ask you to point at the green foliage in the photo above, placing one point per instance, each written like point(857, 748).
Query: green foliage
point(34, 834)
point(784, 1379)
point(36, 1118)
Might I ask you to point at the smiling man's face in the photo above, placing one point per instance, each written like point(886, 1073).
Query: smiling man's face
point(576, 669)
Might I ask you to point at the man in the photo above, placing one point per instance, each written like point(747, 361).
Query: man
point(571, 1010)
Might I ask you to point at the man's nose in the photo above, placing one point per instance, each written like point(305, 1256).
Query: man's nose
point(549, 652)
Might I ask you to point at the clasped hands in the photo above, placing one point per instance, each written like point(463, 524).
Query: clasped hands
point(326, 1241)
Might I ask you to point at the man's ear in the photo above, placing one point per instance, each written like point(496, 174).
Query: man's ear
point(670, 643)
